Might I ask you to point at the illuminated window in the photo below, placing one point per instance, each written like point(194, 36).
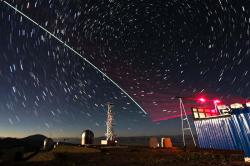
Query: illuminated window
point(236, 106)
point(207, 110)
point(209, 114)
point(196, 115)
point(202, 115)
point(200, 110)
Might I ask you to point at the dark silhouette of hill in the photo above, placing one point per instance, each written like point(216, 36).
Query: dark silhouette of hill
point(30, 143)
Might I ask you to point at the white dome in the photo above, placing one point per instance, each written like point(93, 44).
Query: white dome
point(87, 137)
point(48, 144)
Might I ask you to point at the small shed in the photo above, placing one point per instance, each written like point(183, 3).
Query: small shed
point(153, 142)
point(166, 143)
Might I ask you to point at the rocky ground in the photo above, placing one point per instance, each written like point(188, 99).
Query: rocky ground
point(130, 156)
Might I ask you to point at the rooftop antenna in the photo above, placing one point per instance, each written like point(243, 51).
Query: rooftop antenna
point(185, 125)
point(110, 123)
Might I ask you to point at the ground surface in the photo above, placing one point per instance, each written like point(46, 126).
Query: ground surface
point(127, 156)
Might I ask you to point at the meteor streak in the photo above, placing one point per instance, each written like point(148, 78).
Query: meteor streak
point(74, 51)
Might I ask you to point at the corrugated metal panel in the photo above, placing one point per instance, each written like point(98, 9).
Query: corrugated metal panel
point(230, 133)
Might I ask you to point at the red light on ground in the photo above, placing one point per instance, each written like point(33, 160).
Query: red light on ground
point(202, 99)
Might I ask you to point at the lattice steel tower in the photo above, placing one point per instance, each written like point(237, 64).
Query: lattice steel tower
point(110, 123)
point(185, 125)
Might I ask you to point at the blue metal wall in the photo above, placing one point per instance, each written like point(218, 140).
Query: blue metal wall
point(226, 132)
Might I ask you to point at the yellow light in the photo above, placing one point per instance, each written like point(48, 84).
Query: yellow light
point(196, 115)
point(236, 106)
point(202, 115)
point(222, 107)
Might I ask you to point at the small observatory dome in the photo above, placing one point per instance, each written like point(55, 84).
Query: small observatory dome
point(48, 144)
point(87, 137)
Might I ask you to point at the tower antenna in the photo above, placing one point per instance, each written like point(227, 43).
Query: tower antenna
point(110, 136)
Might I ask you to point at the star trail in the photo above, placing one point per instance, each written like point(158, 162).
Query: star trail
point(154, 50)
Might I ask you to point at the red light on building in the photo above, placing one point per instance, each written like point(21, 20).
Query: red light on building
point(213, 111)
point(216, 101)
point(203, 100)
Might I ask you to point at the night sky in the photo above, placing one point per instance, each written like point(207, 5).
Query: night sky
point(154, 49)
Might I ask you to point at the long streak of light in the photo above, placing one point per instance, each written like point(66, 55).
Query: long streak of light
point(69, 47)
